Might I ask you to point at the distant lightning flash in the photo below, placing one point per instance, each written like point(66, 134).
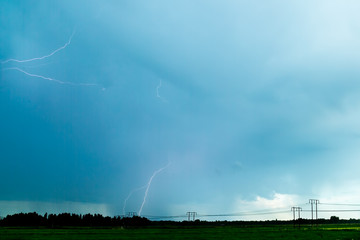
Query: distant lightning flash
point(130, 194)
point(43, 57)
point(149, 184)
point(157, 91)
point(50, 79)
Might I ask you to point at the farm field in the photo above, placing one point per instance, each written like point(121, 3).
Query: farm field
point(176, 232)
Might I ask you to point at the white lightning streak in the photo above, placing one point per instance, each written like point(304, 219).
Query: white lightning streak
point(130, 194)
point(43, 57)
point(50, 79)
point(148, 186)
point(157, 91)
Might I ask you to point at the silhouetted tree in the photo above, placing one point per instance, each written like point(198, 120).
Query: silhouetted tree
point(334, 219)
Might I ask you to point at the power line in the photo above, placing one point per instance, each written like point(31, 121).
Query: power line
point(255, 212)
point(340, 210)
point(165, 217)
point(341, 204)
point(242, 214)
point(192, 215)
point(296, 211)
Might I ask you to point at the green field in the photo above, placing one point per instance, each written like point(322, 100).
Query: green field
point(220, 232)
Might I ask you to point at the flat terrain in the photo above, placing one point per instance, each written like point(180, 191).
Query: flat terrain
point(221, 232)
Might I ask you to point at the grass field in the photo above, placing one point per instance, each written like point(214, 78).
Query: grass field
point(221, 232)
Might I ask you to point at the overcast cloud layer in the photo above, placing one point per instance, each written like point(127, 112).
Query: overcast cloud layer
point(255, 104)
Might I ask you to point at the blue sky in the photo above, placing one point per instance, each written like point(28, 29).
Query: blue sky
point(255, 104)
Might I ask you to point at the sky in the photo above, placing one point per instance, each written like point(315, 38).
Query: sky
point(164, 107)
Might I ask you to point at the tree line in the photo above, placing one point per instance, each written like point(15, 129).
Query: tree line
point(67, 219)
point(97, 220)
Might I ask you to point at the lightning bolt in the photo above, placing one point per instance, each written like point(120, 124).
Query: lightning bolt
point(148, 186)
point(157, 91)
point(130, 194)
point(43, 57)
point(50, 79)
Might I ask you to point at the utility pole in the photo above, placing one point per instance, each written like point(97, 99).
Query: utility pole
point(312, 202)
point(191, 215)
point(294, 210)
